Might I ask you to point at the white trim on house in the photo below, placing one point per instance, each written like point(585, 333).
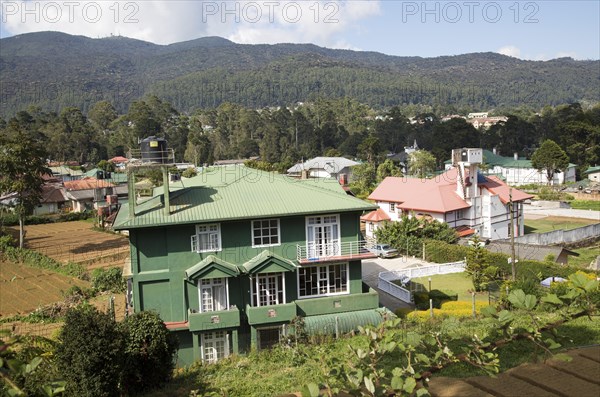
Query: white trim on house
point(211, 343)
point(262, 235)
point(196, 241)
point(324, 270)
point(327, 242)
point(210, 284)
point(255, 289)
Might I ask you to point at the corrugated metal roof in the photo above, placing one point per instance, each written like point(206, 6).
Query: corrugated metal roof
point(329, 164)
point(237, 192)
point(327, 324)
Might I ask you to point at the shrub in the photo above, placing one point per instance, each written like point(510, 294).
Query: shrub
point(442, 252)
point(90, 357)
point(108, 280)
point(7, 241)
point(403, 312)
point(445, 295)
point(150, 350)
point(189, 173)
point(421, 297)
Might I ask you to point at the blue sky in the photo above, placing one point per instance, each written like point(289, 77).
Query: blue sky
point(536, 30)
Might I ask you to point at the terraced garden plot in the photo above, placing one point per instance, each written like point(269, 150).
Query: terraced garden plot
point(77, 242)
point(23, 289)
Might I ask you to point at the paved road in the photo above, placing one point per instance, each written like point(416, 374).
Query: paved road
point(370, 272)
point(567, 212)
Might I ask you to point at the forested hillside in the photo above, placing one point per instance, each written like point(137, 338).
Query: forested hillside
point(55, 70)
point(284, 136)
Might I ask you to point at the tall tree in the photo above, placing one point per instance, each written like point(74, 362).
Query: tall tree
point(22, 166)
point(387, 168)
point(420, 163)
point(550, 158)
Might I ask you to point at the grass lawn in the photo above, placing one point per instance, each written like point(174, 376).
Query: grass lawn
point(551, 223)
point(586, 255)
point(457, 282)
point(585, 205)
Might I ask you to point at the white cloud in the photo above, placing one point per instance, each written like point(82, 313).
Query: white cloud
point(320, 22)
point(510, 50)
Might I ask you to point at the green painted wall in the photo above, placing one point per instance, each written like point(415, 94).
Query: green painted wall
point(337, 304)
point(160, 256)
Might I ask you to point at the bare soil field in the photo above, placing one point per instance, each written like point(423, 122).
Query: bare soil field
point(77, 242)
point(23, 289)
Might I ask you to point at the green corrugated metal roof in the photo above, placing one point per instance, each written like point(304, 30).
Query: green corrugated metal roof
point(592, 169)
point(346, 322)
point(265, 260)
point(506, 162)
point(212, 263)
point(238, 192)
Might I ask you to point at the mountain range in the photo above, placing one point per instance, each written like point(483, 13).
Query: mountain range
point(54, 70)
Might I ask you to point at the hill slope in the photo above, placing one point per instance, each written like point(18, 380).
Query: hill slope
point(54, 70)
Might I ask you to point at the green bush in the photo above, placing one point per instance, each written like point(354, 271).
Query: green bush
point(41, 261)
point(108, 280)
point(149, 352)
point(445, 295)
point(421, 297)
point(90, 353)
point(189, 173)
point(11, 219)
point(442, 252)
point(7, 241)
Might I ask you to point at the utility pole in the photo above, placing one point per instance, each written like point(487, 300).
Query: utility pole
point(512, 236)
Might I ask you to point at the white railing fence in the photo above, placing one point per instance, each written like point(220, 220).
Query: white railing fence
point(312, 251)
point(386, 279)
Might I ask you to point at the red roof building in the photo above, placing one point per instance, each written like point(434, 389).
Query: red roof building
point(470, 205)
point(87, 183)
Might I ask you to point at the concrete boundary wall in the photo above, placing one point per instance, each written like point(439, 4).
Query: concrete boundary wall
point(560, 236)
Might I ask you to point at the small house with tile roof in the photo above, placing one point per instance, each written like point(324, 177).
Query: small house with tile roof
point(230, 257)
point(462, 197)
point(517, 171)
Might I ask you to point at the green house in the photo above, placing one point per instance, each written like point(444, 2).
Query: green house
point(231, 257)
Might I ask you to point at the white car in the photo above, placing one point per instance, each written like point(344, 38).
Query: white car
point(383, 250)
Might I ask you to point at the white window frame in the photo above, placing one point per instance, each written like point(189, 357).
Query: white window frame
point(392, 207)
point(204, 340)
point(278, 233)
point(333, 248)
point(211, 285)
point(195, 239)
point(254, 288)
point(329, 283)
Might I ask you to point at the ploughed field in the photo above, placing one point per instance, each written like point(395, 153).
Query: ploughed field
point(77, 242)
point(24, 289)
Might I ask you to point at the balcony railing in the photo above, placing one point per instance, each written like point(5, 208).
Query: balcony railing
point(335, 250)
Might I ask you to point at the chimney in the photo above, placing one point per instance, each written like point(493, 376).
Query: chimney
point(494, 150)
point(516, 156)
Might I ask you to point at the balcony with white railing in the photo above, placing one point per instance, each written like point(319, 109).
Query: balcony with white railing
point(334, 251)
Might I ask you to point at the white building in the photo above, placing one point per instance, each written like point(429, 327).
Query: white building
point(517, 171)
point(339, 168)
point(462, 197)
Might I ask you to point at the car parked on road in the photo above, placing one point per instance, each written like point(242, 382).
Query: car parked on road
point(383, 250)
